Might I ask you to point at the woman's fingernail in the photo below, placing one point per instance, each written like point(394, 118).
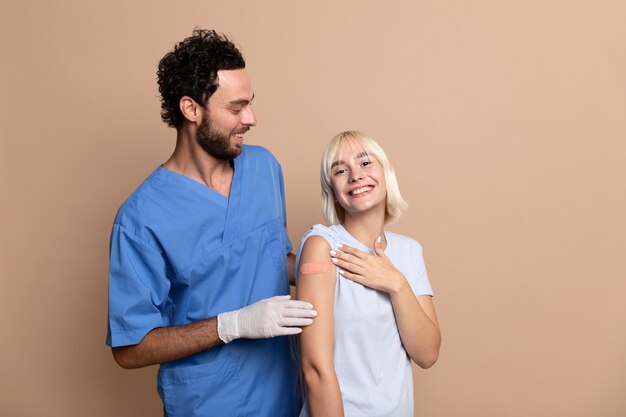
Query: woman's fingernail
point(335, 260)
point(379, 238)
point(339, 245)
point(333, 253)
point(341, 271)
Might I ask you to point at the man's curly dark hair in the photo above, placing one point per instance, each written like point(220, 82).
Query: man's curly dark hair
point(191, 70)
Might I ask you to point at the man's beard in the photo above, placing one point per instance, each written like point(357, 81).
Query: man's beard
point(215, 143)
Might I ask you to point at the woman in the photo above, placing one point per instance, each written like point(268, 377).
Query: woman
point(369, 287)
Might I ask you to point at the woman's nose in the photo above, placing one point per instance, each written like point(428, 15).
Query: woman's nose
point(355, 176)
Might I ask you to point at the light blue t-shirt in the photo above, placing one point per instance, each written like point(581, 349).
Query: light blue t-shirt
point(372, 367)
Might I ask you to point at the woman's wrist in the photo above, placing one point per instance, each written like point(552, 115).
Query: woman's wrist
point(398, 284)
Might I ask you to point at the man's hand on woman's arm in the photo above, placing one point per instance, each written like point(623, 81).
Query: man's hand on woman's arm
point(276, 316)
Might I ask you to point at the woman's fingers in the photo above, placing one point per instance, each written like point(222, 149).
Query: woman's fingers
point(341, 258)
point(378, 248)
point(352, 277)
point(369, 270)
point(347, 265)
point(344, 256)
point(352, 251)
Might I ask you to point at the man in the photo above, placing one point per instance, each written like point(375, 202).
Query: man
point(199, 252)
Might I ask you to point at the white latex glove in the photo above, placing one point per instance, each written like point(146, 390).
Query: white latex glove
point(276, 316)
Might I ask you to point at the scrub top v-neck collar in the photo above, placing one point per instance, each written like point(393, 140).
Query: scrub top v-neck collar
point(230, 205)
point(234, 200)
point(193, 186)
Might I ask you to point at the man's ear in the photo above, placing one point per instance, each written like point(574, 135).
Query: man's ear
point(190, 109)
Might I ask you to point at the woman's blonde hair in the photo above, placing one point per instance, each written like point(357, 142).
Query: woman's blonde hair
point(333, 212)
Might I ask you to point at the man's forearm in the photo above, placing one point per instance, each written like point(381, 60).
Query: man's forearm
point(165, 344)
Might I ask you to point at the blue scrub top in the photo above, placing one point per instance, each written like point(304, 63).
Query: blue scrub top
point(180, 252)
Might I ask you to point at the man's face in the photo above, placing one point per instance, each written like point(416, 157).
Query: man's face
point(228, 116)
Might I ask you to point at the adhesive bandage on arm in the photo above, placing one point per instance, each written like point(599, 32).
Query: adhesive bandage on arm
point(313, 268)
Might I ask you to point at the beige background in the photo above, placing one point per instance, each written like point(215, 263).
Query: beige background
point(506, 123)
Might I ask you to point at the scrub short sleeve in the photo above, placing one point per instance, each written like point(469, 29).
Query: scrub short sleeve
point(287, 241)
point(138, 288)
point(285, 235)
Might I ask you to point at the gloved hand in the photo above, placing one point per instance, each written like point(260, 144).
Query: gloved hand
point(275, 316)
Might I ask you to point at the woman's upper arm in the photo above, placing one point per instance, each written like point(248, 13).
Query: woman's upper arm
point(316, 285)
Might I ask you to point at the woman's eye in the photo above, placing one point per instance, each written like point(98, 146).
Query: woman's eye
point(366, 163)
point(340, 171)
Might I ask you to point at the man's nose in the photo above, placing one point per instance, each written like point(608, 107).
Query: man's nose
point(249, 118)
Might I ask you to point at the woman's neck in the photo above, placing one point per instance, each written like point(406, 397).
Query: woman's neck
point(366, 227)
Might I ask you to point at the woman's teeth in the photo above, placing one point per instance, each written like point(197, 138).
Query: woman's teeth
point(360, 191)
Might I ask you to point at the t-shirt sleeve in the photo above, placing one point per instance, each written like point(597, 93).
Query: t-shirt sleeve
point(138, 288)
point(316, 230)
point(419, 278)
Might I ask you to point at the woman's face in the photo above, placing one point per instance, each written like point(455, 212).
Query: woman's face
point(358, 180)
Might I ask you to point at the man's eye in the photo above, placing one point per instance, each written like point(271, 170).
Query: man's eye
point(235, 111)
